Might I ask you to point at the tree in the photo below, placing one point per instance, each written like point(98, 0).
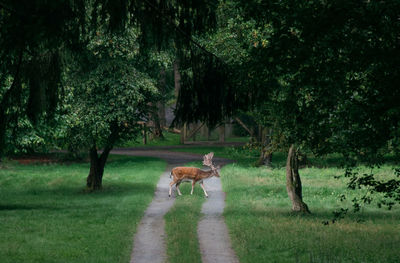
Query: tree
point(36, 35)
point(104, 107)
point(105, 98)
point(106, 92)
point(324, 86)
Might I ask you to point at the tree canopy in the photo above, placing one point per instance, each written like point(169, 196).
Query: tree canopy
point(35, 36)
point(324, 75)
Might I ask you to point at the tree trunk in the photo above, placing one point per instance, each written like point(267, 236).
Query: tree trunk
point(183, 133)
point(161, 104)
point(266, 151)
point(144, 133)
point(177, 84)
point(177, 78)
point(293, 182)
point(159, 112)
point(157, 131)
point(222, 133)
point(260, 134)
point(97, 164)
point(204, 131)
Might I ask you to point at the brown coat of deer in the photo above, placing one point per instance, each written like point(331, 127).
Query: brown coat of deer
point(181, 174)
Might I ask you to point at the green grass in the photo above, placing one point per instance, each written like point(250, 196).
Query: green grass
point(237, 153)
point(181, 224)
point(263, 229)
point(46, 216)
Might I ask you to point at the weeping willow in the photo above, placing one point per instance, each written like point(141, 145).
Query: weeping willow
point(35, 37)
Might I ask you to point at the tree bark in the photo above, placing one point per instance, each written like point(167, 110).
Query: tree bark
point(266, 151)
point(183, 133)
point(204, 131)
point(144, 133)
point(157, 131)
point(222, 133)
point(159, 112)
point(97, 164)
point(293, 182)
point(161, 104)
point(177, 78)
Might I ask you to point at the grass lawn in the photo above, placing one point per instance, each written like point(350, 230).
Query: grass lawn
point(263, 229)
point(181, 224)
point(237, 153)
point(46, 216)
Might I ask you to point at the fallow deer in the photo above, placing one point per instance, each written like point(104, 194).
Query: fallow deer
point(182, 174)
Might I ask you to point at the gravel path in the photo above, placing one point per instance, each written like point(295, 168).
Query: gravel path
point(149, 243)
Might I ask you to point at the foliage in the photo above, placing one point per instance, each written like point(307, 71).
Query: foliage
point(105, 105)
point(25, 138)
point(36, 36)
point(326, 87)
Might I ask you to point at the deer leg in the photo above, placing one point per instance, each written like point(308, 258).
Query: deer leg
point(193, 183)
point(202, 186)
point(170, 188)
point(177, 188)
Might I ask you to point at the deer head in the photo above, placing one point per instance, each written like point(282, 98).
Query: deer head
point(207, 161)
point(178, 174)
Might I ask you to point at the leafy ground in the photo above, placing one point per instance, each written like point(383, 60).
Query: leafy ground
point(46, 216)
point(263, 229)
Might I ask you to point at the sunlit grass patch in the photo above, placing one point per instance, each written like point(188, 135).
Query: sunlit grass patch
point(181, 227)
point(47, 216)
point(263, 229)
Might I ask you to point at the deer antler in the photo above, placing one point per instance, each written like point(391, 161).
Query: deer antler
point(180, 174)
point(207, 159)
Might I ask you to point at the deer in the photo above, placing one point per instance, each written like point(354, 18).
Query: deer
point(193, 174)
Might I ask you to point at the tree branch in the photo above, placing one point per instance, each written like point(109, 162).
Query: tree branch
point(244, 126)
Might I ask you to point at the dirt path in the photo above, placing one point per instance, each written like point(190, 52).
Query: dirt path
point(215, 245)
point(149, 243)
